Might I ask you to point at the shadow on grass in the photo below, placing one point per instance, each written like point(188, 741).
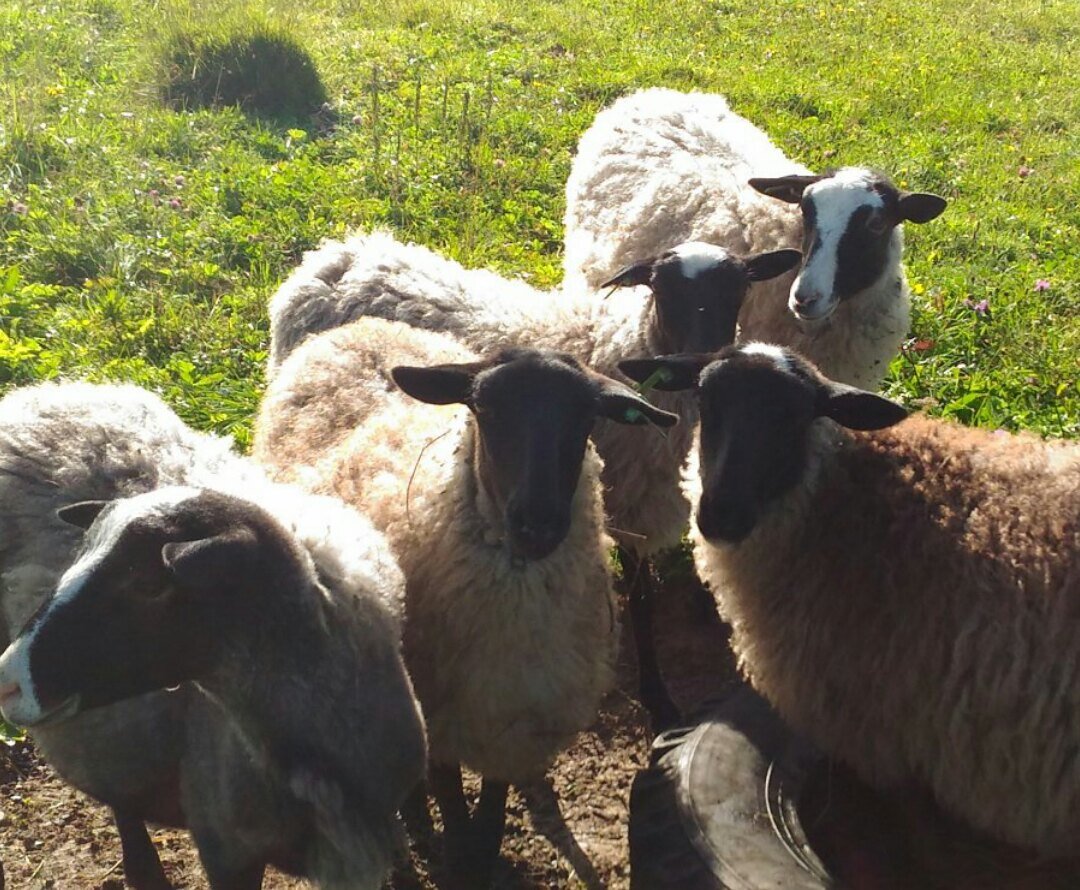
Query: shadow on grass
point(263, 72)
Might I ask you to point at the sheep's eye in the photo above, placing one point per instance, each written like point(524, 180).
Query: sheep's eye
point(876, 224)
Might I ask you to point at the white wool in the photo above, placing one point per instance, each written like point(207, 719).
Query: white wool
point(697, 257)
point(769, 350)
point(659, 167)
point(509, 658)
point(375, 275)
point(63, 443)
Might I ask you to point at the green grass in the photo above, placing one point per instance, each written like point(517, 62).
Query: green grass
point(139, 242)
point(258, 69)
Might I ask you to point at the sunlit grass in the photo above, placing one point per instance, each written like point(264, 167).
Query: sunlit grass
point(141, 243)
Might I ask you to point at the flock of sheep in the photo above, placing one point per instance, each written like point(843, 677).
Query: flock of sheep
point(412, 572)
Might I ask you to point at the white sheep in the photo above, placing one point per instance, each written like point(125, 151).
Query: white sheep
point(494, 514)
point(906, 596)
point(376, 275)
point(299, 738)
point(660, 167)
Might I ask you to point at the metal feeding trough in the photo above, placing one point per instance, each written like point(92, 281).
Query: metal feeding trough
point(716, 810)
point(739, 802)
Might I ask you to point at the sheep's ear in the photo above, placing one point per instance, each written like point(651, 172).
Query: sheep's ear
point(621, 404)
point(857, 409)
point(439, 384)
point(669, 373)
point(208, 562)
point(635, 274)
point(776, 262)
point(920, 207)
point(82, 514)
point(784, 188)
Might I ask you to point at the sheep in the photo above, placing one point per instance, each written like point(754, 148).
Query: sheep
point(660, 166)
point(494, 514)
point(905, 594)
point(200, 569)
point(684, 299)
point(689, 302)
point(374, 274)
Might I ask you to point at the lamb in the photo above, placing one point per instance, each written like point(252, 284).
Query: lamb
point(494, 514)
point(684, 299)
point(660, 166)
point(904, 593)
point(199, 569)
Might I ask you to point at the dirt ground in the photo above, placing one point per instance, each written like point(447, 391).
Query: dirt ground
point(54, 837)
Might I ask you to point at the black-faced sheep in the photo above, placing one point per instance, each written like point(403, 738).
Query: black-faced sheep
point(494, 514)
point(688, 302)
point(298, 738)
point(906, 594)
point(683, 299)
point(660, 167)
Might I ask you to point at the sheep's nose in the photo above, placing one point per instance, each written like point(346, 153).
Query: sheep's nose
point(702, 339)
point(807, 300)
point(9, 692)
point(535, 536)
point(731, 525)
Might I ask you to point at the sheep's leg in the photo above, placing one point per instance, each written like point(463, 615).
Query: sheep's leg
point(445, 781)
point(471, 843)
point(489, 823)
point(542, 802)
point(247, 878)
point(222, 870)
point(637, 575)
point(142, 867)
point(415, 812)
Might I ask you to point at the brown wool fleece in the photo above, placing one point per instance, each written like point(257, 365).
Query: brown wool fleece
point(914, 608)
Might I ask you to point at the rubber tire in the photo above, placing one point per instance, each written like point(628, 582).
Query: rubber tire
point(716, 808)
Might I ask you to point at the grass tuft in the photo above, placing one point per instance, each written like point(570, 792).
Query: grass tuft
point(257, 68)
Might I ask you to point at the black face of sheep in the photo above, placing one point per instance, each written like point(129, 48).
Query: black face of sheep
point(757, 404)
point(148, 603)
point(699, 289)
point(534, 411)
point(848, 222)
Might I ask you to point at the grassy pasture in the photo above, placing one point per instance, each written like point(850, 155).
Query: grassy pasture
point(140, 240)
